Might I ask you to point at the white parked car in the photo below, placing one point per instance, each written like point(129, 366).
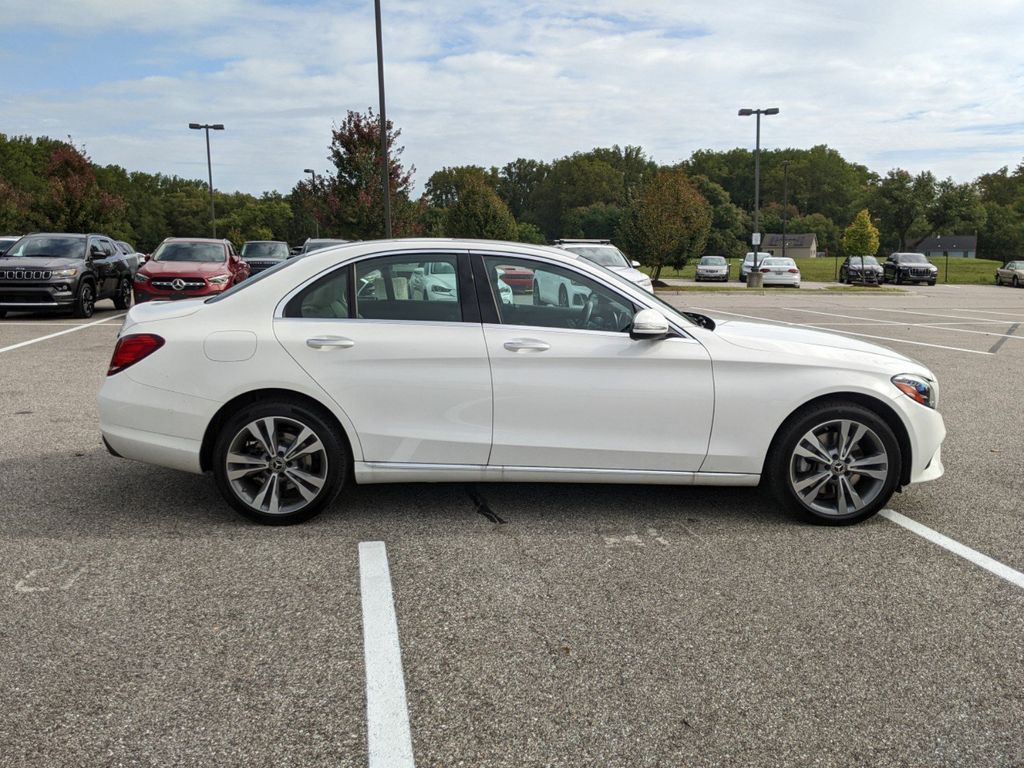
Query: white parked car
point(603, 253)
point(777, 270)
point(748, 263)
point(712, 268)
point(302, 378)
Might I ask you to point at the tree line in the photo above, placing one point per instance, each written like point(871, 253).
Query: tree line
point(659, 214)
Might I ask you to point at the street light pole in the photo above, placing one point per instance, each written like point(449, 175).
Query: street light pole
point(785, 202)
point(209, 166)
point(316, 220)
point(386, 174)
point(757, 173)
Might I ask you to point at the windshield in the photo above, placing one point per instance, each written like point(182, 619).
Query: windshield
point(869, 261)
point(268, 250)
point(48, 247)
point(192, 252)
point(713, 261)
point(912, 258)
point(749, 258)
point(602, 255)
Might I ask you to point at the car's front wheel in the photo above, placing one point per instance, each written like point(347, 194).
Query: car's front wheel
point(834, 464)
point(85, 302)
point(1016, 282)
point(279, 463)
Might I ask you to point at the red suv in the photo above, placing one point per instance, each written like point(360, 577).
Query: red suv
point(186, 267)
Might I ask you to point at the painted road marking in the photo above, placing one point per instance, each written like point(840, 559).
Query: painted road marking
point(387, 712)
point(59, 333)
point(1016, 315)
point(900, 322)
point(982, 561)
point(845, 333)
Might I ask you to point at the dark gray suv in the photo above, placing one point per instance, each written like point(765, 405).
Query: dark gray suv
point(61, 271)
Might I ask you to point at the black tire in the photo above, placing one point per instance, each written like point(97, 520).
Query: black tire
point(85, 301)
point(787, 472)
point(123, 297)
point(931, 282)
point(3, 314)
point(998, 281)
point(1016, 282)
point(329, 466)
point(563, 296)
point(899, 278)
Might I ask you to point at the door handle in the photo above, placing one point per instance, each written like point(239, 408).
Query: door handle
point(526, 345)
point(330, 342)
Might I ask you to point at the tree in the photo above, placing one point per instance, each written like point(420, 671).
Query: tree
point(728, 223)
point(957, 209)
point(824, 228)
point(668, 223)
point(861, 237)
point(443, 186)
point(517, 184)
point(574, 182)
point(354, 207)
point(479, 212)
point(900, 201)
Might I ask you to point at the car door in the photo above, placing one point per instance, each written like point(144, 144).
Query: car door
point(410, 372)
point(101, 253)
point(573, 390)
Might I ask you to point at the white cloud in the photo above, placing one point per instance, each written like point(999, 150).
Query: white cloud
point(887, 84)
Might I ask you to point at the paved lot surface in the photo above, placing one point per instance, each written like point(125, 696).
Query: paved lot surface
point(143, 623)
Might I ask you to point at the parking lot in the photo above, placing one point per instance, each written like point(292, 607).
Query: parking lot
point(145, 623)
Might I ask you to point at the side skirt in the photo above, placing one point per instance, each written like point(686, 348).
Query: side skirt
point(369, 472)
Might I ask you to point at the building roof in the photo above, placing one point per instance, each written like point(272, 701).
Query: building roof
point(793, 240)
point(948, 243)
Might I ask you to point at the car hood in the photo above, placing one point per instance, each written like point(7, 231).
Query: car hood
point(631, 274)
point(786, 339)
point(184, 268)
point(39, 263)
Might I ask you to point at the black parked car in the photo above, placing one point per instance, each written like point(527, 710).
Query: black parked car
point(861, 269)
point(909, 268)
point(263, 254)
point(61, 271)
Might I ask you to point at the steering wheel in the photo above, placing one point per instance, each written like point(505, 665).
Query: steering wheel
point(588, 310)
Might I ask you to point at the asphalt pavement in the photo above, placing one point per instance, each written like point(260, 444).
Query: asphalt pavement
point(143, 623)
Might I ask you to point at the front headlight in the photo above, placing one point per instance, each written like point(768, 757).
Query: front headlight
point(141, 278)
point(918, 388)
point(71, 272)
point(440, 289)
point(219, 280)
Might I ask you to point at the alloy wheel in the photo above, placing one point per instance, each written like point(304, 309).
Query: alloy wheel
point(276, 465)
point(838, 467)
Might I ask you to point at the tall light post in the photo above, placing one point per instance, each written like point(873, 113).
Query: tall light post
point(386, 174)
point(316, 220)
point(757, 174)
point(785, 202)
point(209, 166)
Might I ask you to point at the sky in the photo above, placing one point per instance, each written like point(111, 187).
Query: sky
point(933, 86)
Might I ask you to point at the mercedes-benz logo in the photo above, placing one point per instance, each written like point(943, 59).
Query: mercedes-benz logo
point(177, 283)
point(839, 468)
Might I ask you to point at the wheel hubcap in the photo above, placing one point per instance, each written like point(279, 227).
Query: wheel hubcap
point(276, 465)
point(838, 467)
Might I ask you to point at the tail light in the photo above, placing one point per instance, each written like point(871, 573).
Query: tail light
point(765, 269)
point(794, 270)
point(132, 348)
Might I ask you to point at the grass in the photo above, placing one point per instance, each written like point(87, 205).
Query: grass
point(740, 288)
point(825, 270)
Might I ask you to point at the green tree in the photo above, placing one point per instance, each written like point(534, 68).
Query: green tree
point(824, 228)
point(479, 212)
point(728, 223)
point(957, 210)
point(528, 233)
point(517, 184)
point(861, 237)
point(901, 201)
point(574, 182)
point(443, 187)
point(668, 223)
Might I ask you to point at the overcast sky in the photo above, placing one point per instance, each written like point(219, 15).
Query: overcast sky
point(933, 85)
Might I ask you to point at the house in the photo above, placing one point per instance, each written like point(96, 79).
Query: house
point(958, 246)
point(798, 246)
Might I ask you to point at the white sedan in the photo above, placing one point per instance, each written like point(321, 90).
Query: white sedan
point(779, 271)
point(302, 378)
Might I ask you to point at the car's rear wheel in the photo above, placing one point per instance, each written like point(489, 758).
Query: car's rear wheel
point(834, 464)
point(85, 302)
point(279, 463)
point(123, 297)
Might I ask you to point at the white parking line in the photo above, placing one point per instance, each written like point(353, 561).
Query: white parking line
point(983, 561)
point(59, 333)
point(387, 712)
point(900, 322)
point(836, 330)
point(1016, 315)
point(927, 314)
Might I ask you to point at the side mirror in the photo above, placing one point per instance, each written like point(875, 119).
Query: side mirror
point(649, 324)
point(635, 264)
point(95, 252)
